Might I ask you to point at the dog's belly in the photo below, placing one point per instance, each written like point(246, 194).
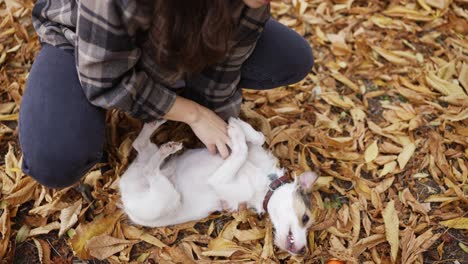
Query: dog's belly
point(198, 199)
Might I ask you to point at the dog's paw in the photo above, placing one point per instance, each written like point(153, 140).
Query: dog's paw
point(170, 148)
point(251, 135)
point(156, 123)
point(236, 134)
point(256, 138)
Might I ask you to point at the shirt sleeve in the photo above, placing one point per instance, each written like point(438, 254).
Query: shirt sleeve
point(108, 61)
point(217, 86)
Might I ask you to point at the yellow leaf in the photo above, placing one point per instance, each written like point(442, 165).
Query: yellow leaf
point(424, 5)
point(390, 217)
point(443, 86)
point(12, 117)
point(456, 223)
point(463, 247)
point(84, 232)
point(391, 56)
point(371, 152)
point(341, 101)
point(400, 11)
point(340, 77)
point(389, 167)
point(406, 154)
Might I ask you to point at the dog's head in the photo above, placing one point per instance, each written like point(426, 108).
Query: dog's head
point(290, 212)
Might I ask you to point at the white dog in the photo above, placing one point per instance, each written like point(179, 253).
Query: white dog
point(188, 187)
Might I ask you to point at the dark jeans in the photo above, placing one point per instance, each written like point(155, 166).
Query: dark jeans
point(62, 134)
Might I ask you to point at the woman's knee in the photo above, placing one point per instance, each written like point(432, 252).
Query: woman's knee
point(55, 169)
point(61, 134)
point(301, 62)
point(281, 57)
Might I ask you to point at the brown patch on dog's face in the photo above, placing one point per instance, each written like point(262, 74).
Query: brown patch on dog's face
point(303, 208)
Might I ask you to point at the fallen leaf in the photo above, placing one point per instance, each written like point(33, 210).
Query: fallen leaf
point(43, 250)
point(69, 217)
point(389, 167)
point(371, 152)
point(456, 223)
point(84, 232)
point(44, 229)
point(104, 246)
point(406, 155)
point(131, 232)
point(390, 217)
point(220, 247)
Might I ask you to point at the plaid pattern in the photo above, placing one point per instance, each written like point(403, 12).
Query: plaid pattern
point(116, 72)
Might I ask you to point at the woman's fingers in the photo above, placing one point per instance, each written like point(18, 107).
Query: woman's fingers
point(211, 149)
point(223, 150)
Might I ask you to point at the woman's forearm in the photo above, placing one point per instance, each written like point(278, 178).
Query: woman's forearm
point(183, 110)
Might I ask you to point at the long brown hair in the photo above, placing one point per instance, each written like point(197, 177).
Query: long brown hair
point(189, 35)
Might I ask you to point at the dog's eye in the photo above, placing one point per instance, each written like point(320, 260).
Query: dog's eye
point(305, 219)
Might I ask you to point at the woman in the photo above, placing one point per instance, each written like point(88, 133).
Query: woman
point(179, 60)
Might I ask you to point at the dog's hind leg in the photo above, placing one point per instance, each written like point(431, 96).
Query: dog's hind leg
point(228, 169)
point(144, 137)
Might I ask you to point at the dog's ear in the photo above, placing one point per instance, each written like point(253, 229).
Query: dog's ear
point(306, 180)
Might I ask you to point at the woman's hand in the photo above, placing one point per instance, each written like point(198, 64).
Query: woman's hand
point(206, 124)
point(212, 131)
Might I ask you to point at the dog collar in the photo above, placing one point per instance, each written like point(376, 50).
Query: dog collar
point(275, 184)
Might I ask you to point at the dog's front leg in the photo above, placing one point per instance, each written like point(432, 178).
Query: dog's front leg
point(239, 152)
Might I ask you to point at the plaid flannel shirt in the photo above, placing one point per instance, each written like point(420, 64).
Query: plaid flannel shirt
point(116, 72)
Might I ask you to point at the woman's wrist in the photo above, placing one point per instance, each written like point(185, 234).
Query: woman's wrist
point(184, 110)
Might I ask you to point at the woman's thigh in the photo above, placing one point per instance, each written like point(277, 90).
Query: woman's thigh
point(281, 57)
point(61, 133)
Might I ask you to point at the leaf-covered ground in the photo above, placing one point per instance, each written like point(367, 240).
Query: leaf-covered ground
point(382, 117)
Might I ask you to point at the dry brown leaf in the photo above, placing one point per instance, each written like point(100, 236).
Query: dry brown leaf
point(69, 217)
point(412, 246)
point(44, 229)
point(5, 230)
point(390, 217)
point(131, 232)
point(249, 235)
point(391, 56)
point(371, 152)
point(443, 86)
point(388, 168)
point(340, 77)
point(43, 250)
point(84, 232)
point(337, 100)
point(104, 246)
point(406, 155)
point(368, 242)
point(220, 247)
